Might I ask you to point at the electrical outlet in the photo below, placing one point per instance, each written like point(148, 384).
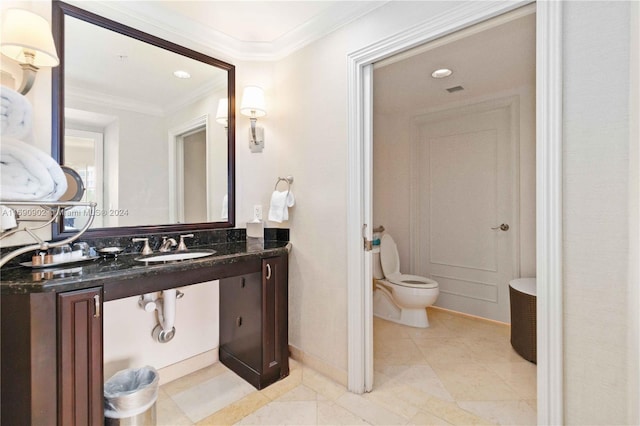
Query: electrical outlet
point(257, 212)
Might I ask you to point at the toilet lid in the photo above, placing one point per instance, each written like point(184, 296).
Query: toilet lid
point(389, 259)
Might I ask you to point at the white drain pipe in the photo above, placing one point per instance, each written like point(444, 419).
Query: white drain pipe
point(165, 307)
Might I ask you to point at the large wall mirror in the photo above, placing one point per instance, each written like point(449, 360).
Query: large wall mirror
point(148, 126)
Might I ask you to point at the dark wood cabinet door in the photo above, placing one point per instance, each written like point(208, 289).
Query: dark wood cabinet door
point(240, 319)
point(254, 323)
point(80, 358)
point(275, 349)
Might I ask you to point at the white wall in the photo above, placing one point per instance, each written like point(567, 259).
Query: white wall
point(596, 185)
point(127, 330)
point(392, 180)
point(311, 127)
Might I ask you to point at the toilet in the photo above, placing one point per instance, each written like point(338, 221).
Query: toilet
point(398, 297)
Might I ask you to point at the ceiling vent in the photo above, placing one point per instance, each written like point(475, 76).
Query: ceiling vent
point(455, 89)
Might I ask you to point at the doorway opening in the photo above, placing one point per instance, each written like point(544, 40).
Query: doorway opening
point(189, 169)
point(460, 205)
point(548, 191)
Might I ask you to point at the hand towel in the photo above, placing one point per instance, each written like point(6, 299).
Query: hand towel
point(29, 174)
point(8, 219)
point(16, 117)
point(279, 207)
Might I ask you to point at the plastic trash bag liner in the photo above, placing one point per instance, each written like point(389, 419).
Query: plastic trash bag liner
point(130, 392)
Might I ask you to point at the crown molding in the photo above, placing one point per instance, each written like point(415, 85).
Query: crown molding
point(181, 30)
point(93, 97)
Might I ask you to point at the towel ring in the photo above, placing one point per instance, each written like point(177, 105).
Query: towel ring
point(288, 179)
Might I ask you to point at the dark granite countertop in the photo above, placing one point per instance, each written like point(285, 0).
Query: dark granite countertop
point(21, 280)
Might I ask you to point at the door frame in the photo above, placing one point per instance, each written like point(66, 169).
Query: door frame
point(176, 165)
point(548, 190)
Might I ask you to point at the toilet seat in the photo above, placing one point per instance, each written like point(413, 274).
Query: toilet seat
point(390, 261)
point(412, 281)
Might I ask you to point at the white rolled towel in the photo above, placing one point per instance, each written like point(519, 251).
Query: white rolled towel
point(28, 174)
point(16, 116)
point(279, 206)
point(8, 219)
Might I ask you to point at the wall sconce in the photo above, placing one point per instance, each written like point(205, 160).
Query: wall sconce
point(26, 38)
point(253, 107)
point(222, 115)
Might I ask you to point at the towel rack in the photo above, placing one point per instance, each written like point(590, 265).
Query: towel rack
point(56, 208)
point(288, 179)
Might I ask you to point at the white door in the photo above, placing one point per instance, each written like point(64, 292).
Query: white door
point(463, 211)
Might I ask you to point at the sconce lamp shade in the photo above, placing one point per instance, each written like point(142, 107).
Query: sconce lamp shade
point(27, 38)
point(253, 102)
point(222, 115)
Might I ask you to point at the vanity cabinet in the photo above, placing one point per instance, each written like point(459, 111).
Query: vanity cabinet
point(51, 341)
point(80, 374)
point(254, 323)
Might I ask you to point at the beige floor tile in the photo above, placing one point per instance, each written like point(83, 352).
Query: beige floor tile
point(284, 413)
point(451, 413)
point(452, 350)
point(502, 412)
point(321, 384)
point(520, 376)
point(194, 379)
point(213, 395)
point(300, 393)
point(369, 410)
point(424, 379)
point(458, 371)
point(398, 351)
point(237, 410)
point(473, 382)
point(390, 396)
point(330, 413)
point(283, 386)
point(383, 329)
point(168, 413)
point(423, 418)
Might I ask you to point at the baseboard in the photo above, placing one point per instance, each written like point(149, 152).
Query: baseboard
point(475, 317)
point(187, 366)
point(319, 365)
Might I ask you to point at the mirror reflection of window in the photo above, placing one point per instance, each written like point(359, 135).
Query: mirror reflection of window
point(84, 153)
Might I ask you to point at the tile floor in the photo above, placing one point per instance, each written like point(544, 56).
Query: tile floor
point(459, 371)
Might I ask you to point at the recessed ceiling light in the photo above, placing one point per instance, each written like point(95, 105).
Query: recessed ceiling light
point(441, 73)
point(182, 74)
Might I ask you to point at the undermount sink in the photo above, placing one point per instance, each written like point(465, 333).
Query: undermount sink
point(174, 256)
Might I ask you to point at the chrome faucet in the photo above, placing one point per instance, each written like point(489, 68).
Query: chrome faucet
point(167, 243)
point(146, 249)
point(182, 246)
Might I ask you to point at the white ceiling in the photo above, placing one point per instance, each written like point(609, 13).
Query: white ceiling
point(240, 30)
point(489, 60)
point(112, 69)
point(485, 59)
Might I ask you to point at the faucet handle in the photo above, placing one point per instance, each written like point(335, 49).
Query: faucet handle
point(182, 246)
point(146, 249)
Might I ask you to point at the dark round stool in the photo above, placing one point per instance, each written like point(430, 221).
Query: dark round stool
point(522, 293)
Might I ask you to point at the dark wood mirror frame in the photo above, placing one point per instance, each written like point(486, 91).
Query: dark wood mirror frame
point(59, 11)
